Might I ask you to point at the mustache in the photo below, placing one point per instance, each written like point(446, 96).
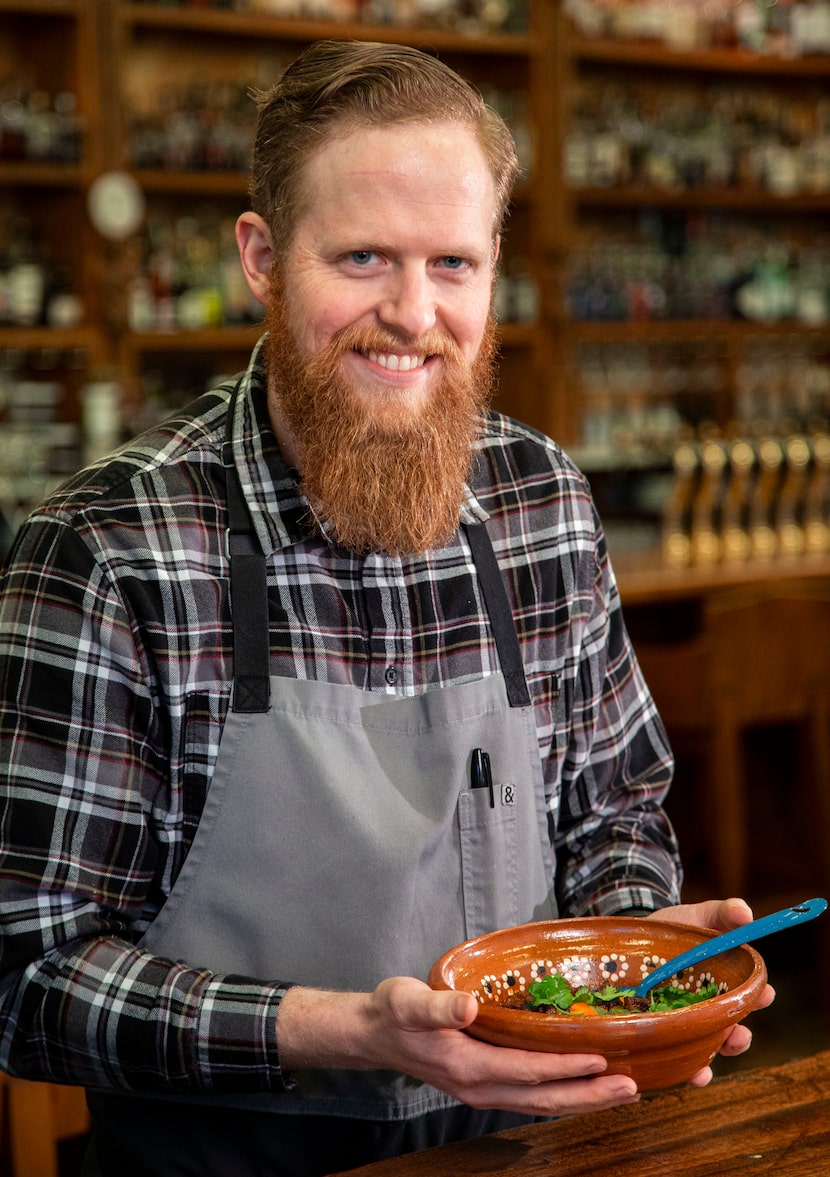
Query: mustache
point(365, 339)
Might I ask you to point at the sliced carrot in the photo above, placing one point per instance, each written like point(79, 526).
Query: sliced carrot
point(582, 1007)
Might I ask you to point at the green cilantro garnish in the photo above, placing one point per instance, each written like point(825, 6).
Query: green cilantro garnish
point(667, 997)
point(612, 993)
point(554, 992)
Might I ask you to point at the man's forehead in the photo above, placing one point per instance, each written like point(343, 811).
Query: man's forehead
point(420, 165)
point(369, 148)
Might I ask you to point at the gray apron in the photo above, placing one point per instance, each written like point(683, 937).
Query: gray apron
point(346, 836)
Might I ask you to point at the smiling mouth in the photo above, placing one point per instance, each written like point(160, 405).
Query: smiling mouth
point(395, 363)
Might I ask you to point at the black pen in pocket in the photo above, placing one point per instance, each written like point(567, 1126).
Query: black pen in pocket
point(480, 775)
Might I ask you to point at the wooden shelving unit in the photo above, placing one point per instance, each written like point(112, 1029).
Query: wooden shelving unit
point(143, 36)
point(110, 50)
point(582, 208)
point(54, 45)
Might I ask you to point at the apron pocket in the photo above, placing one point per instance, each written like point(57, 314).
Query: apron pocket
point(489, 863)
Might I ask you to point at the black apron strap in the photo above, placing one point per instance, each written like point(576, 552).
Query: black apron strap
point(249, 592)
point(500, 612)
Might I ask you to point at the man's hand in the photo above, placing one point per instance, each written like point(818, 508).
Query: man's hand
point(406, 1026)
point(721, 915)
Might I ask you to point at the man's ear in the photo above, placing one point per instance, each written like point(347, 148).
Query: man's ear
point(253, 239)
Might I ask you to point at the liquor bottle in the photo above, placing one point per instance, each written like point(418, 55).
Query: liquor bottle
point(25, 278)
point(101, 417)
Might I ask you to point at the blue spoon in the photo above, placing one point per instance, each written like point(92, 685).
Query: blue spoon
point(800, 914)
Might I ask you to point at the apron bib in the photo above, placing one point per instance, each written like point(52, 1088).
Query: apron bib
point(345, 837)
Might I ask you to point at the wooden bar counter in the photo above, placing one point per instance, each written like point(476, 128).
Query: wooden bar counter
point(772, 1121)
point(645, 580)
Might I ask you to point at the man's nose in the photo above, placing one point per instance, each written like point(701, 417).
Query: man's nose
point(408, 304)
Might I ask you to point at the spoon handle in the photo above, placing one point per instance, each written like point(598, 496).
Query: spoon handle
point(801, 913)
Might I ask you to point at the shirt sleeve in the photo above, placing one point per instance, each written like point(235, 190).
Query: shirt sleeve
point(83, 803)
point(615, 847)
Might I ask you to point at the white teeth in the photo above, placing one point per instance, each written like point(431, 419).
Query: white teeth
point(395, 363)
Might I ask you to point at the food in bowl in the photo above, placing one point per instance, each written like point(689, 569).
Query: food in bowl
point(658, 1048)
point(553, 995)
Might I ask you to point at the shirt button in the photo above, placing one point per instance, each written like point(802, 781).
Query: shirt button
point(391, 675)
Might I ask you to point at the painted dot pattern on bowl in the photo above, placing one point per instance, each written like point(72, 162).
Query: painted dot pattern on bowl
point(585, 970)
point(614, 968)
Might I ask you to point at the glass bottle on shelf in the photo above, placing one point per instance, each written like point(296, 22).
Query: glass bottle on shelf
point(25, 278)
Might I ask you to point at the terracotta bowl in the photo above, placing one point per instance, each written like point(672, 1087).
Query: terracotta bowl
point(656, 1049)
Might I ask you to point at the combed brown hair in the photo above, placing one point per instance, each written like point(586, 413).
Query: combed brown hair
point(334, 87)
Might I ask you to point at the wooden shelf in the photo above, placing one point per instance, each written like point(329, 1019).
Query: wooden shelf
point(206, 183)
point(206, 339)
point(44, 338)
point(643, 579)
point(257, 26)
point(42, 175)
point(517, 335)
point(741, 199)
point(638, 54)
point(737, 330)
point(41, 7)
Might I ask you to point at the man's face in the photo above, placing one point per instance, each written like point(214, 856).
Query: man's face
point(380, 333)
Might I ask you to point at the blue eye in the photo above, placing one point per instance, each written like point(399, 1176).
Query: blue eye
point(454, 263)
point(361, 257)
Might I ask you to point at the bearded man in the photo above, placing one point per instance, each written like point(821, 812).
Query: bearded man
point(249, 660)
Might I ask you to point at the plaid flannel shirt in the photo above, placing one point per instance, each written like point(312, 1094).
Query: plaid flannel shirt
point(115, 673)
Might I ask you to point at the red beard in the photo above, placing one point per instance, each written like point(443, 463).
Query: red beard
point(387, 477)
